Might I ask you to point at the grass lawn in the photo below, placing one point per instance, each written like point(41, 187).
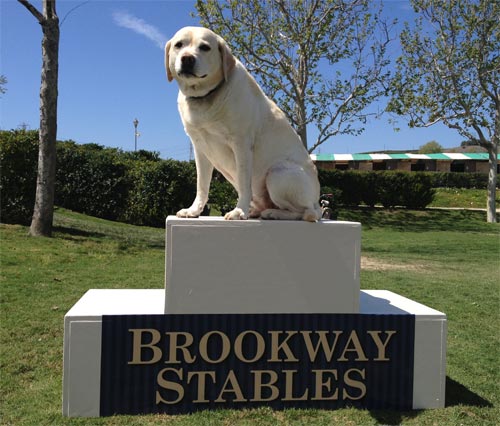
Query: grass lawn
point(448, 260)
point(462, 198)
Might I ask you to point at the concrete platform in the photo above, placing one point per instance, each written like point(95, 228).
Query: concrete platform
point(83, 341)
point(261, 266)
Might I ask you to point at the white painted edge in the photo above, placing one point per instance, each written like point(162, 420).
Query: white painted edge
point(430, 345)
point(82, 368)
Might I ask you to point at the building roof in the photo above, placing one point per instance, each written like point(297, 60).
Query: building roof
point(443, 156)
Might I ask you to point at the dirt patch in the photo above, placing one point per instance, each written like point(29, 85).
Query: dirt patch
point(371, 264)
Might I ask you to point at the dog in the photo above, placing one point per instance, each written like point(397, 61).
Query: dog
point(237, 130)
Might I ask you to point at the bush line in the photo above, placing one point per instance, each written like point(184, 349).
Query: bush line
point(142, 189)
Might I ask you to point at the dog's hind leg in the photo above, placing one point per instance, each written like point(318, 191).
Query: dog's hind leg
point(294, 191)
point(279, 214)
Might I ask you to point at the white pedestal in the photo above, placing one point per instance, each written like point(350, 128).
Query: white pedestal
point(258, 266)
point(245, 291)
point(82, 343)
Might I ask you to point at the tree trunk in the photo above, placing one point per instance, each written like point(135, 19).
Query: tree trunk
point(301, 122)
point(41, 224)
point(302, 131)
point(492, 183)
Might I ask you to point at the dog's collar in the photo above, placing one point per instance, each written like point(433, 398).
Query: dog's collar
point(211, 92)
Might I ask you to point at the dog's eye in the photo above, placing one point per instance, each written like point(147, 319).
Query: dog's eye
point(205, 47)
point(178, 45)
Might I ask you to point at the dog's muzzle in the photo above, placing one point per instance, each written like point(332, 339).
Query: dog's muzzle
point(187, 64)
point(187, 68)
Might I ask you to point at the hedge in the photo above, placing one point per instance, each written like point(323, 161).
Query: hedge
point(159, 188)
point(142, 189)
point(459, 180)
point(92, 180)
point(389, 188)
point(18, 160)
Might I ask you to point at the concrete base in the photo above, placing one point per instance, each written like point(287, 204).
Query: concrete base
point(258, 266)
point(83, 326)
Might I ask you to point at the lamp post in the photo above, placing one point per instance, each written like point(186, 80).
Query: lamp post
point(136, 122)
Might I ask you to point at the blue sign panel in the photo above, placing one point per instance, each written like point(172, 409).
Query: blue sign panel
point(183, 363)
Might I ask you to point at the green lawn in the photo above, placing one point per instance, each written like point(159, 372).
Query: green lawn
point(462, 198)
point(448, 260)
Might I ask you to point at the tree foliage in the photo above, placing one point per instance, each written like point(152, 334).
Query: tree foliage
point(431, 147)
point(449, 72)
point(322, 61)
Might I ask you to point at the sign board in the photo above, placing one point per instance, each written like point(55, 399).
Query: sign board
point(177, 364)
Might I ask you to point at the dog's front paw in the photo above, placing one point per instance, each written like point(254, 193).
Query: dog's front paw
point(236, 214)
point(187, 213)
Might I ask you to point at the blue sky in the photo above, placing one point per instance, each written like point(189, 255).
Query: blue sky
point(111, 71)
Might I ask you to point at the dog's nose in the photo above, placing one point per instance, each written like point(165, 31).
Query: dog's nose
point(187, 62)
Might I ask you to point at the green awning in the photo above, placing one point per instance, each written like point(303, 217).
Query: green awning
point(477, 155)
point(439, 156)
point(399, 156)
point(361, 157)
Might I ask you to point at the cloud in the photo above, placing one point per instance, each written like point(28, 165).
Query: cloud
point(131, 22)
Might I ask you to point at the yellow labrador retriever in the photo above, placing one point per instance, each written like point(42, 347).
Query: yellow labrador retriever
point(235, 128)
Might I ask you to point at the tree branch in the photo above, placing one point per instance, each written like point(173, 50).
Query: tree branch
point(33, 10)
point(72, 10)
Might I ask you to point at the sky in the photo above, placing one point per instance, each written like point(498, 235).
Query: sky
point(111, 71)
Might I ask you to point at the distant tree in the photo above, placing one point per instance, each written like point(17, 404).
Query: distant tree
point(431, 147)
point(3, 82)
point(449, 72)
point(43, 214)
point(322, 61)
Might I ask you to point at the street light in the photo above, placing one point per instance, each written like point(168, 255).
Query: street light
point(136, 122)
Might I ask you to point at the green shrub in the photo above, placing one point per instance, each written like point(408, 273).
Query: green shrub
point(159, 188)
point(91, 179)
point(352, 188)
point(222, 195)
point(418, 192)
point(389, 188)
point(371, 185)
point(18, 162)
point(404, 189)
point(459, 180)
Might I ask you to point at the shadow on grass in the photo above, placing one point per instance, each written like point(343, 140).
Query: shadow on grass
point(427, 220)
point(456, 394)
point(393, 418)
point(123, 237)
point(74, 232)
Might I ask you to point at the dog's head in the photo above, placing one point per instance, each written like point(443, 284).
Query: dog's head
point(198, 59)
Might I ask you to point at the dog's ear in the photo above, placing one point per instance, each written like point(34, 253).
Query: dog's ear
point(228, 60)
point(167, 68)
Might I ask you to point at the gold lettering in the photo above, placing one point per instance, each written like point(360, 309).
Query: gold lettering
point(169, 385)
point(289, 387)
point(357, 384)
point(322, 342)
point(258, 385)
point(235, 388)
point(238, 346)
point(322, 384)
point(174, 346)
point(138, 345)
point(354, 339)
point(276, 347)
point(201, 383)
point(226, 347)
point(381, 346)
